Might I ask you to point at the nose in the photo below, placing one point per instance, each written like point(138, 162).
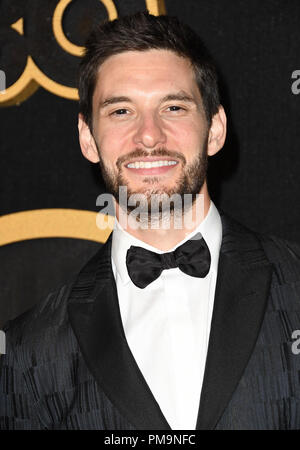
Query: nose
point(149, 132)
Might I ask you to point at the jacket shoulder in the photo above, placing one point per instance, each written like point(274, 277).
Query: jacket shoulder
point(35, 333)
point(33, 342)
point(49, 317)
point(277, 247)
point(250, 246)
point(284, 255)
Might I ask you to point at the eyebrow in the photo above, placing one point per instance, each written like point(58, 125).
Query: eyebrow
point(113, 100)
point(178, 96)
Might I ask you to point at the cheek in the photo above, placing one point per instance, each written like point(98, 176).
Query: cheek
point(110, 143)
point(188, 137)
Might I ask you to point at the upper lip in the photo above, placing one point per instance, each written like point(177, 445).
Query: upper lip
point(151, 159)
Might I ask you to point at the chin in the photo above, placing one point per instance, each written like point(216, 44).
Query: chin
point(152, 188)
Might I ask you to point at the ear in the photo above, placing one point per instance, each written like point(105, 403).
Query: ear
point(87, 142)
point(217, 132)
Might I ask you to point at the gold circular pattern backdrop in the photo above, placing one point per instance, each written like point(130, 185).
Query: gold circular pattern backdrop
point(53, 223)
point(32, 77)
point(47, 223)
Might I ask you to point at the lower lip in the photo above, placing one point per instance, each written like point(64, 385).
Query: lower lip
point(153, 170)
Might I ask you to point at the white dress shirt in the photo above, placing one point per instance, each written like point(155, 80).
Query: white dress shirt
point(167, 324)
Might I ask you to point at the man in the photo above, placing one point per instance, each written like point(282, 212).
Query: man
point(167, 326)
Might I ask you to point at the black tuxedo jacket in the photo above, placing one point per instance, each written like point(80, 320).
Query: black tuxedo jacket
point(68, 364)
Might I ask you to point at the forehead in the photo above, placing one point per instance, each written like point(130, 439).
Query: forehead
point(145, 72)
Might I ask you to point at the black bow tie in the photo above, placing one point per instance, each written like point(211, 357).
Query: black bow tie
point(192, 258)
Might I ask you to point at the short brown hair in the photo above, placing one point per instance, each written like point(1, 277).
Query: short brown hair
point(140, 32)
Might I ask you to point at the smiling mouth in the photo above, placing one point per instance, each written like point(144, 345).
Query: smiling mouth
point(151, 164)
point(156, 166)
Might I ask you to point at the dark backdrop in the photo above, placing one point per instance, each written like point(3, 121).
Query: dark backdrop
point(255, 178)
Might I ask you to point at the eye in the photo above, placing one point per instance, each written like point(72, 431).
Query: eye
point(174, 108)
point(120, 112)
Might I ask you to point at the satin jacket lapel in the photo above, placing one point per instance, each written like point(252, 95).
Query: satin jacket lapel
point(96, 321)
point(243, 283)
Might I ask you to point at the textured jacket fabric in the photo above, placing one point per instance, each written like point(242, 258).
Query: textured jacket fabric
point(68, 365)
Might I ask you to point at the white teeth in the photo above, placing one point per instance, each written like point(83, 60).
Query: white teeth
point(149, 165)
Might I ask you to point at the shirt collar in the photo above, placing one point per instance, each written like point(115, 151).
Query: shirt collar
point(210, 228)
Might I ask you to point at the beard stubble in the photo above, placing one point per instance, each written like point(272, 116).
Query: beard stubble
point(190, 181)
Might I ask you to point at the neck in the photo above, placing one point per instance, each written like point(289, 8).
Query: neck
point(165, 235)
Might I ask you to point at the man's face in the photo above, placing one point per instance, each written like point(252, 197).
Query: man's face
point(149, 124)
